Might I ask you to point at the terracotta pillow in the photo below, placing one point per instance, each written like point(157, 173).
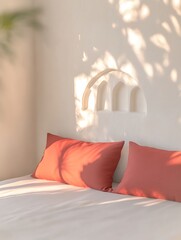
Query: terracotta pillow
point(152, 173)
point(79, 163)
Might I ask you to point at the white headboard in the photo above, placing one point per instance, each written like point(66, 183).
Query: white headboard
point(111, 105)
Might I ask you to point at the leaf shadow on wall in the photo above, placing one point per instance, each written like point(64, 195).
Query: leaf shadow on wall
point(143, 39)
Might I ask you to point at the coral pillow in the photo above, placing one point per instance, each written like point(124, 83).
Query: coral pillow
point(152, 173)
point(79, 163)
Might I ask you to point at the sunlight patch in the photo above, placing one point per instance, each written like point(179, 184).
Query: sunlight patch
point(160, 41)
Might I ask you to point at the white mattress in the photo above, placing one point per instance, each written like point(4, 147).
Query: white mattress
point(32, 209)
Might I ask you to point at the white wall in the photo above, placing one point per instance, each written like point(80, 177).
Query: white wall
point(17, 106)
point(83, 37)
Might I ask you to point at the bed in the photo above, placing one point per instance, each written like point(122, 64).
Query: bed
point(70, 195)
point(40, 209)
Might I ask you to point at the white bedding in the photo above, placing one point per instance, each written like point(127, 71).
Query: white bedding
point(32, 209)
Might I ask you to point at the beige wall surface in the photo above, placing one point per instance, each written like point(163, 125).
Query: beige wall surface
point(17, 112)
point(83, 37)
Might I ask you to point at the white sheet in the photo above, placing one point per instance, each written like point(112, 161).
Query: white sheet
point(32, 209)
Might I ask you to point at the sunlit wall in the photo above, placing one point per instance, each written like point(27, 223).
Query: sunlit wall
point(83, 37)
